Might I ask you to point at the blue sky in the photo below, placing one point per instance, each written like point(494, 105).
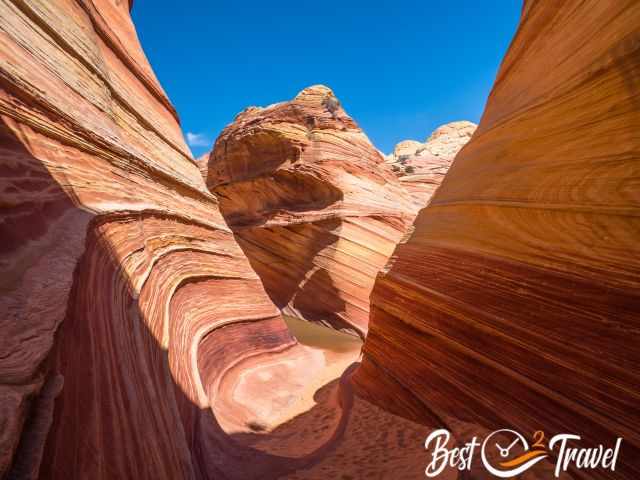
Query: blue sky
point(400, 68)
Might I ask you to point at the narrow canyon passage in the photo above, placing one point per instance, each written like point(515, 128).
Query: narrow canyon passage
point(303, 414)
point(261, 396)
point(295, 304)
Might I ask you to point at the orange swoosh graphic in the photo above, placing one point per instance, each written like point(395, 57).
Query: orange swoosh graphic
point(522, 458)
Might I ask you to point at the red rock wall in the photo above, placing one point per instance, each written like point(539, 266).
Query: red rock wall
point(117, 269)
point(516, 300)
point(312, 205)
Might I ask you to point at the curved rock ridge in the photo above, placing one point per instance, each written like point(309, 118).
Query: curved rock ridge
point(516, 299)
point(421, 167)
point(311, 203)
point(126, 303)
point(137, 342)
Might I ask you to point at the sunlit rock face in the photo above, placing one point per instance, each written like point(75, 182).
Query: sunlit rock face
point(516, 300)
point(421, 167)
point(312, 204)
point(125, 299)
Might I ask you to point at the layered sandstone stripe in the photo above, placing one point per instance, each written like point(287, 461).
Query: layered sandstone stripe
point(126, 301)
point(516, 300)
point(312, 205)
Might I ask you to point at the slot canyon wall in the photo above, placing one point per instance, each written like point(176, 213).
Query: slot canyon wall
point(125, 298)
point(138, 341)
point(312, 204)
point(516, 300)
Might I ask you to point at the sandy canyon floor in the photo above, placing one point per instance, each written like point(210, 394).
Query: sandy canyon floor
point(311, 417)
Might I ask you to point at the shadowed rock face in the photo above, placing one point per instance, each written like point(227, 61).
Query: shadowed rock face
point(312, 205)
point(125, 299)
point(421, 167)
point(136, 341)
point(516, 300)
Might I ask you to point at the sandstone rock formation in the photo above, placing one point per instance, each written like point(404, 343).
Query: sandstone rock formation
point(137, 342)
point(407, 147)
point(516, 300)
point(422, 166)
point(445, 142)
point(126, 302)
point(312, 205)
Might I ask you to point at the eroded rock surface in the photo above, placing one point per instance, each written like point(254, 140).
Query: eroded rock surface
point(516, 300)
point(421, 167)
point(312, 204)
point(126, 302)
point(137, 341)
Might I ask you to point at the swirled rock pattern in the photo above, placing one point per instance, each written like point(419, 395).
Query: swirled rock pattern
point(421, 167)
point(516, 300)
point(312, 204)
point(126, 302)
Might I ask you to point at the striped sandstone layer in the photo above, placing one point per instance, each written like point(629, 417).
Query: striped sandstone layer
point(516, 300)
point(312, 204)
point(126, 302)
point(137, 342)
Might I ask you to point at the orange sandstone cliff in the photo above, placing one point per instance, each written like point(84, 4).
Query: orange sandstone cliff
point(312, 204)
point(125, 298)
point(516, 299)
point(137, 341)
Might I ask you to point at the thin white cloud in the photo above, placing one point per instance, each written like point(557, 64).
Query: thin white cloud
point(197, 140)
